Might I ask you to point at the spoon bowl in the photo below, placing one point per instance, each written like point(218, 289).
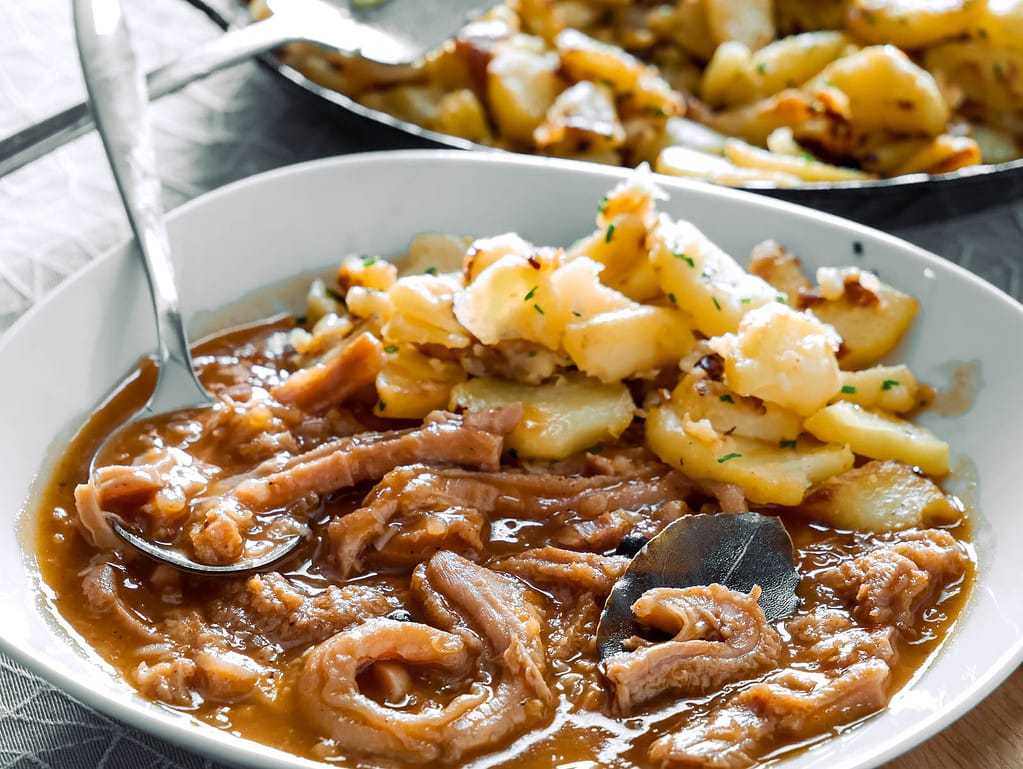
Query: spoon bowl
point(117, 94)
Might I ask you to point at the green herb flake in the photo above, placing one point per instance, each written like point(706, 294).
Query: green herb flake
point(687, 259)
point(857, 247)
point(672, 299)
point(746, 299)
point(596, 448)
point(369, 261)
point(848, 389)
point(334, 295)
point(430, 270)
point(781, 299)
point(602, 206)
point(532, 353)
point(728, 458)
point(762, 67)
point(717, 304)
point(383, 407)
point(998, 69)
point(609, 233)
point(787, 444)
point(530, 294)
point(727, 399)
point(577, 314)
point(538, 308)
point(807, 157)
point(301, 320)
point(391, 348)
point(888, 384)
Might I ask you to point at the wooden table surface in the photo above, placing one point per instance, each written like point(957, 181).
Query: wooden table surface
point(988, 737)
point(60, 212)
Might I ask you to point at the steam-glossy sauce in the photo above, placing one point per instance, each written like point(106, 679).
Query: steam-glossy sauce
point(583, 728)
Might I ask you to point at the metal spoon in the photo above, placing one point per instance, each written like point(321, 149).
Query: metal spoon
point(117, 94)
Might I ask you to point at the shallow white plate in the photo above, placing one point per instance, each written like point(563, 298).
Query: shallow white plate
point(66, 354)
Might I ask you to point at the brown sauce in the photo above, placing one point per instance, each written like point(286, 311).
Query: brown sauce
point(582, 728)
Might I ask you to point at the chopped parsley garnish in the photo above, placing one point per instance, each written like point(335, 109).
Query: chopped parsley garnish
point(746, 299)
point(391, 348)
point(530, 294)
point(538, 308)
point(848, 389)
point(717, 304)
point(762, 67)
point(602, 206)
point(728, 457)
point(687, 259)
point(727, 399)
point(532, 353)
point(807, 157)
point(577, 314)
point(369, 261)
point(610, 233)
point(888, 384)
point(857, 247)
point(430, 270)
point(672, 299)
point(781, 299)
point(383, 407)
point(301, 320)
point(787, 444)
point(334, 295)
point(596, 448)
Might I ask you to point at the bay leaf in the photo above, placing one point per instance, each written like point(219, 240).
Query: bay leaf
point(737, 551)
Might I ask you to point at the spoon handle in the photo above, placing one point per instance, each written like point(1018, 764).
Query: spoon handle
point(117, 93)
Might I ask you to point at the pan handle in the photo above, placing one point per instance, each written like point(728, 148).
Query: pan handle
point(236, 45)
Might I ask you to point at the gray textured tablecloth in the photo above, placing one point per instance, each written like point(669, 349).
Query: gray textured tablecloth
point(62, 211)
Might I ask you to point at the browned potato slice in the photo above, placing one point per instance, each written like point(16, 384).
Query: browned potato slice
point(747, 21)
point(410, 385)
point(559, 418)
point(522, 84)
point(768, 473)
point(990, 76)
point(911, 24)
point(629, 342)
point(887, 91)
point(880, 436)
point(702, 279)
point(733, 414)
point(870, 316)
point(879, 497)
point(781, 268)
point(891, 388)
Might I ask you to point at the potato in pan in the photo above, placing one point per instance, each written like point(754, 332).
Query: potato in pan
point(757, 93)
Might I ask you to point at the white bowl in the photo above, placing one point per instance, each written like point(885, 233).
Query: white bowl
point(62, 358)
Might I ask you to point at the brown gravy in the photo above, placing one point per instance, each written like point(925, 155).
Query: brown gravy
point(582, 729)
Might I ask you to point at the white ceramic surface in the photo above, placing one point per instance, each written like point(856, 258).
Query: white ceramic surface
point(60, 360)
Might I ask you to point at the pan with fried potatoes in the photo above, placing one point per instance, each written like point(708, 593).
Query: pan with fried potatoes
point(767, 94)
